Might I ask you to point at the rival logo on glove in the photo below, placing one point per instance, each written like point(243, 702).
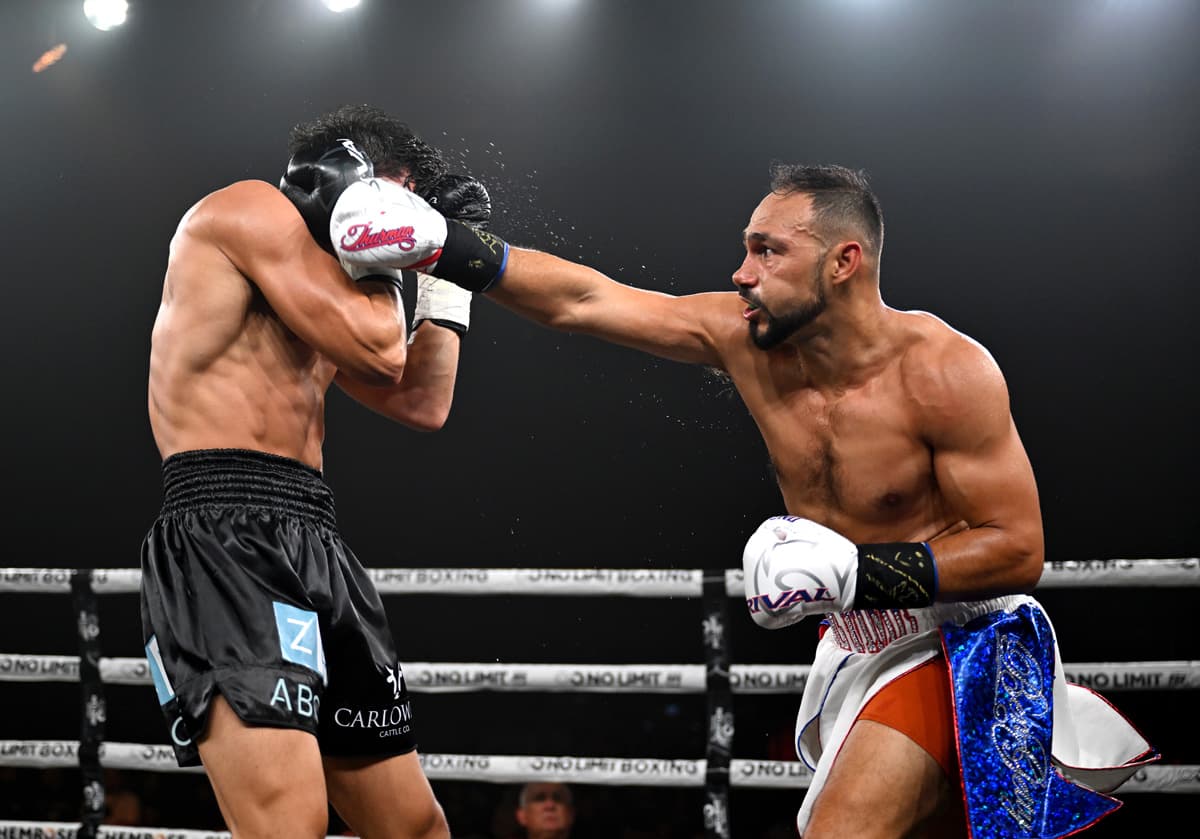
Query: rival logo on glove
point(786, 599)
point(360, 237)
point(795, 567)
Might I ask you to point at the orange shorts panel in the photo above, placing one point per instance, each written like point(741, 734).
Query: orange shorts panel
point(918, 705)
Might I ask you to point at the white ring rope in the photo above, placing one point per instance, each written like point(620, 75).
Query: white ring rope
point(516, 769)
point(447, 677)
point(632, 582)
point(613, 678)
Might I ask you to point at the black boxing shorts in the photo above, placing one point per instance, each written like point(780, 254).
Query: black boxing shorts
point(249, 591)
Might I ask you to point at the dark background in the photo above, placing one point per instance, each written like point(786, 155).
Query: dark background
point(1037, 167)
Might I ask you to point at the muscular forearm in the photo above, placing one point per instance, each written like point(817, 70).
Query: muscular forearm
point(547, 289)
point(988, 561)
point(422, 399)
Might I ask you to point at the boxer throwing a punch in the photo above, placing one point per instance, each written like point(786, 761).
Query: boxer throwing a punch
point(913, 525)
point(268, 644)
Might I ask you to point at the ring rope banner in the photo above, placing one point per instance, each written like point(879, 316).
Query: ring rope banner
point(517, 769)
point(450, 677)
point(632, 582)
point(1090, 573)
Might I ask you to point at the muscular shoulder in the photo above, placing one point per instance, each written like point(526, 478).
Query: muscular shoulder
point(250, 194)
point(952, 379)
point(245, 211)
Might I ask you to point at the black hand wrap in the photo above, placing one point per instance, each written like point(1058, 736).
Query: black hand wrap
point(895, 575)
point(315, 180)
point(471, 257)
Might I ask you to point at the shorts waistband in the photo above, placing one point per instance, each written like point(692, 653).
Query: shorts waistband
point(245, 479)
point(871, 630)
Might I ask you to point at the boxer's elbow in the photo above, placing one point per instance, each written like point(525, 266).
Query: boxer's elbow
point(430, 416)
point(421, 405)
point(389, 367)
point(379, 365)
point(380, 351)
point(1027, 560)
point(367, 346)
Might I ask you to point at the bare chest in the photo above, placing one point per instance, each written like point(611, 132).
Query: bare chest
point(856, 458)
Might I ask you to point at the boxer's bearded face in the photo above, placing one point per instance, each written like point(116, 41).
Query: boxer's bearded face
point(780, 277)
point(772, 326)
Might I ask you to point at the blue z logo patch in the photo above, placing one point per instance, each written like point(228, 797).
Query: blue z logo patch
point(162, 685)
point(300, 637)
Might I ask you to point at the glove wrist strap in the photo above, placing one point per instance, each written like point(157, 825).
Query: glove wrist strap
point(453, 326)
point(895, 575)
point(394, 279)
point(471, 258)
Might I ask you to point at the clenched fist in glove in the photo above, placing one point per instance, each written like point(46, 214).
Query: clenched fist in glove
point(795, 567)
point(462, 198)
point(465, 200)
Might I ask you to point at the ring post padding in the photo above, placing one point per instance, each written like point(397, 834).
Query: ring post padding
point(94, 712)
point(720, 709)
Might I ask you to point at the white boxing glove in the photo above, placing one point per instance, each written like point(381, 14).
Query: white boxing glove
point(794, 567)
point(442, 302)
point(377, 222)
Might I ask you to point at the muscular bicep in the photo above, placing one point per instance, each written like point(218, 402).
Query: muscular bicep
point(574, 298)
point(985, 479)
point(988, 481)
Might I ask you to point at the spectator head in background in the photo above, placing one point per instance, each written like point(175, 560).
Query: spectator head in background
point(546, 810)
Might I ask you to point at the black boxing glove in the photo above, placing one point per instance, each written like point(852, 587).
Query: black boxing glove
point(462, 198)
point(315, 180)
point(465, 200)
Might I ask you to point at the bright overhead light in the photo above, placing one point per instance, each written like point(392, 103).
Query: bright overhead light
point(105, 14)
point(340, 5)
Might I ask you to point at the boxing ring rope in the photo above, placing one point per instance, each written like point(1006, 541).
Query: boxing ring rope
point(717, 678)
point(467, 677)
point(631, 582)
